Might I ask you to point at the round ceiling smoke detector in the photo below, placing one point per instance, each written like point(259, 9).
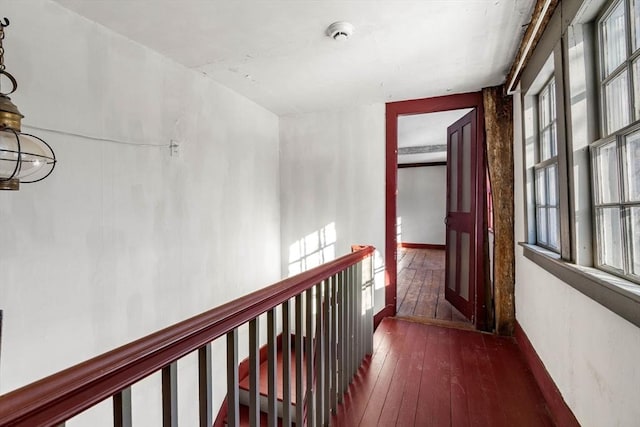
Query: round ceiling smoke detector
point(340, 31)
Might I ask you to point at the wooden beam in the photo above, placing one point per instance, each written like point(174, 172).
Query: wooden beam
point(540, 17)
point(420, 165)
point(498, 113)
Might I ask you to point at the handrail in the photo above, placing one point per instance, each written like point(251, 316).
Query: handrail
point(62, 395)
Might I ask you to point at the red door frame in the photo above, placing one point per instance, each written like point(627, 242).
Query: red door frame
point(420, 106)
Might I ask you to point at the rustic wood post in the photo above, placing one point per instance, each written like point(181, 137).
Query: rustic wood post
point(498, 113)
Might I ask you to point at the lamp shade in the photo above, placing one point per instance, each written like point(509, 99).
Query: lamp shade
point(23, 158)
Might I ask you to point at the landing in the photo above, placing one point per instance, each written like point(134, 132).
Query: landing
point(425, 375)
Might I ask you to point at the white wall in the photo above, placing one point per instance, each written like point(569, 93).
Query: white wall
point(422, 202)
point(123, 239)
point(591, 353)
point(332, 171)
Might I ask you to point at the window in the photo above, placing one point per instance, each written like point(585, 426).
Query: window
point(580, 121)
point(546, 170)
point(616, 157)
point(545, 159)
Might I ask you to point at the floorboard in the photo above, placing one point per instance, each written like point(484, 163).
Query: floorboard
point(426, 375)
point(420, 288)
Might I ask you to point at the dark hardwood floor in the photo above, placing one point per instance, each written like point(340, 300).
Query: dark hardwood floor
point(421, 286)
point(427, 375)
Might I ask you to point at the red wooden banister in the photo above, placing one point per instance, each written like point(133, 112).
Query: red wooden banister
point(62, 395)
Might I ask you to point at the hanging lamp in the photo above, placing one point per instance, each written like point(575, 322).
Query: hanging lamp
point(24, 158)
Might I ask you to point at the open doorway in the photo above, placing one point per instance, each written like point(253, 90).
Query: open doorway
point(473, 237)
point(421, 212)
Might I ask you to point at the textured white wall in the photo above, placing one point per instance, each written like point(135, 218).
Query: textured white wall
point(591, 353)
point(422, 202)
point(122, 239)
point(332, 171)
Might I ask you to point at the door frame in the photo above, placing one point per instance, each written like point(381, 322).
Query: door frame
point(421, 106)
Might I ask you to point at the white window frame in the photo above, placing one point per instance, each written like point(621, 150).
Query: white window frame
point(616, 139)
point(544, 163)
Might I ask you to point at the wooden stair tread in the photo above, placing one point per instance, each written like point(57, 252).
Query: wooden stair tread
point(264, 385)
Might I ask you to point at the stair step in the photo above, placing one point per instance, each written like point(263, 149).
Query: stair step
point(243, 391)
point(264, 379)
point(244, 418)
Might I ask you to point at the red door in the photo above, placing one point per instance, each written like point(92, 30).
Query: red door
point(461, 205)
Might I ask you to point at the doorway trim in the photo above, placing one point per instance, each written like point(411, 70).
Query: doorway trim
point(421, 106)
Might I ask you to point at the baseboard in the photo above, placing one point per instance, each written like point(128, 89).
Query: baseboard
point(560, 411)
point(420, 245)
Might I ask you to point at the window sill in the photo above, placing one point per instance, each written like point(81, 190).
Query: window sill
point(618, 295)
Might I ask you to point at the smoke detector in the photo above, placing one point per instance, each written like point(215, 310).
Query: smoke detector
point(340, 31)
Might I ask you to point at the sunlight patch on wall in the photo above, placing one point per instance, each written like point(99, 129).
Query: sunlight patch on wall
point(313, 250)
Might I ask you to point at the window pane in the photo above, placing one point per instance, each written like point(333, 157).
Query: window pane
point(613, 39)
point(545, 144)
point(552, 100)
point(543, 105)
point(636, 86)
point(610, 237)
point(554, 232)
point(552, 180)
point(617, 102)
point(632, 166)
point(607, 173)
point(635, 23)
point(547, 117)
point(541, 188)
point(542, 225)
point(553, 151)
point(634, 218)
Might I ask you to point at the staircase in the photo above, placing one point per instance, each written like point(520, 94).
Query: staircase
point(294, 381)
point(243, 393)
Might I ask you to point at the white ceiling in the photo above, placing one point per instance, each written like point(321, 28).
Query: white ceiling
point(423, 130)
point(276, 52)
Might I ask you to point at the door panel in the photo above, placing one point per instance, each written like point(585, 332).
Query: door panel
point(461, 175)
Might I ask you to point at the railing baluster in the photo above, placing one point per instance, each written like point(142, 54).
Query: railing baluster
point(299, 362)
point(309, 356)
point(170, 395)
point(254, 373)
point(233, 400)
point(352, 323)
point(359, 315)
point(272, 367)
point(370, 289)
point(356, 321)
point(121, 409)
point(204, 386)
point(326, 306)
point(319, 394)
point(286, 365)
point(334, 343)
point(342, 336)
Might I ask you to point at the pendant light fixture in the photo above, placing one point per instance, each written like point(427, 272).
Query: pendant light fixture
point(24, 158)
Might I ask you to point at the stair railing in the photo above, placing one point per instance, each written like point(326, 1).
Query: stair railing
point(327, 320)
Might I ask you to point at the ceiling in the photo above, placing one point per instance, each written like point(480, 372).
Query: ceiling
point(422, 138)
point(277, 54)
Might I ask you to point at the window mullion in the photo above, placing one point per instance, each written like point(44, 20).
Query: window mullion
point(562, 179)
